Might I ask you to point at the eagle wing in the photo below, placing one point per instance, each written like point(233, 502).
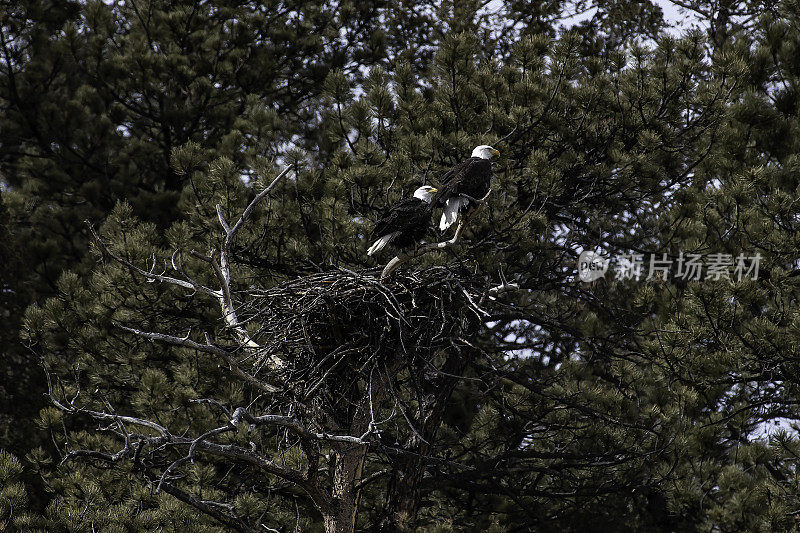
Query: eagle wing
point(470, 177)
point(400, 216)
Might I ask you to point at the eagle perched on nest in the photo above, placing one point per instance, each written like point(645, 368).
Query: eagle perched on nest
point(468, 179)
point(405, 222)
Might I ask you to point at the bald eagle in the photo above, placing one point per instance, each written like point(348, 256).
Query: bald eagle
point(405, 222)
point(468, 178)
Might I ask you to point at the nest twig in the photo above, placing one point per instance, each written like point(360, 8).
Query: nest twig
point(343, 322)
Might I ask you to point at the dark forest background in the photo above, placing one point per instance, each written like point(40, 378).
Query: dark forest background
point(613, 406)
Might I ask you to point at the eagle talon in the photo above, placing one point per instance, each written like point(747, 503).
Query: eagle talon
point(471, 199)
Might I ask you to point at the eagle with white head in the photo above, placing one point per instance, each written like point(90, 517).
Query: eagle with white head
point(465, 181)
point(405, 223)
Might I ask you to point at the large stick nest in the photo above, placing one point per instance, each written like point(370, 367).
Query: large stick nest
point(339, 322)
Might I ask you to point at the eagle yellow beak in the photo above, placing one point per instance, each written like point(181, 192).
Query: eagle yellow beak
point(496, 152)
point(434, 190)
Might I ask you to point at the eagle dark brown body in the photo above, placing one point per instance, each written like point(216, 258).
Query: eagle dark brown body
point(467, 180)
point(405, 223)
point(471, 177)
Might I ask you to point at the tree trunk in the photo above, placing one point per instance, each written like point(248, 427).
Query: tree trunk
point(341, 522)
point(343, 507)
point(349, 460)
point(404, 496)
point(720, 24)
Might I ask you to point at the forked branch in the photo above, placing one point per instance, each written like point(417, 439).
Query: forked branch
point(222, 271)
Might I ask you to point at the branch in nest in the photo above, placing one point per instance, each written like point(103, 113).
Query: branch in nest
point(399, 259)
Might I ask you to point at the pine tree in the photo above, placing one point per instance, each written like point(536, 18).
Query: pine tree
point(95, 96)
point(728, 20)
point(542, 403)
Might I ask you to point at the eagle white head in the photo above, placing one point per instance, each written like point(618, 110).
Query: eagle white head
point(425, 193)
point(485, 151)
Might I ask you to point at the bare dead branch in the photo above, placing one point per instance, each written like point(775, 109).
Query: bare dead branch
point(188, 284)
point(207, 348)
point(231, 232)
point(372, 477)
point(497, 290)
point(296, 427)
point(99, 415)
point(222, 270)
point(105, 457)
point(208, 508)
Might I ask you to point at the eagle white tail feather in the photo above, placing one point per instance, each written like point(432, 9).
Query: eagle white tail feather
point(450, 212)
point(380, 243)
